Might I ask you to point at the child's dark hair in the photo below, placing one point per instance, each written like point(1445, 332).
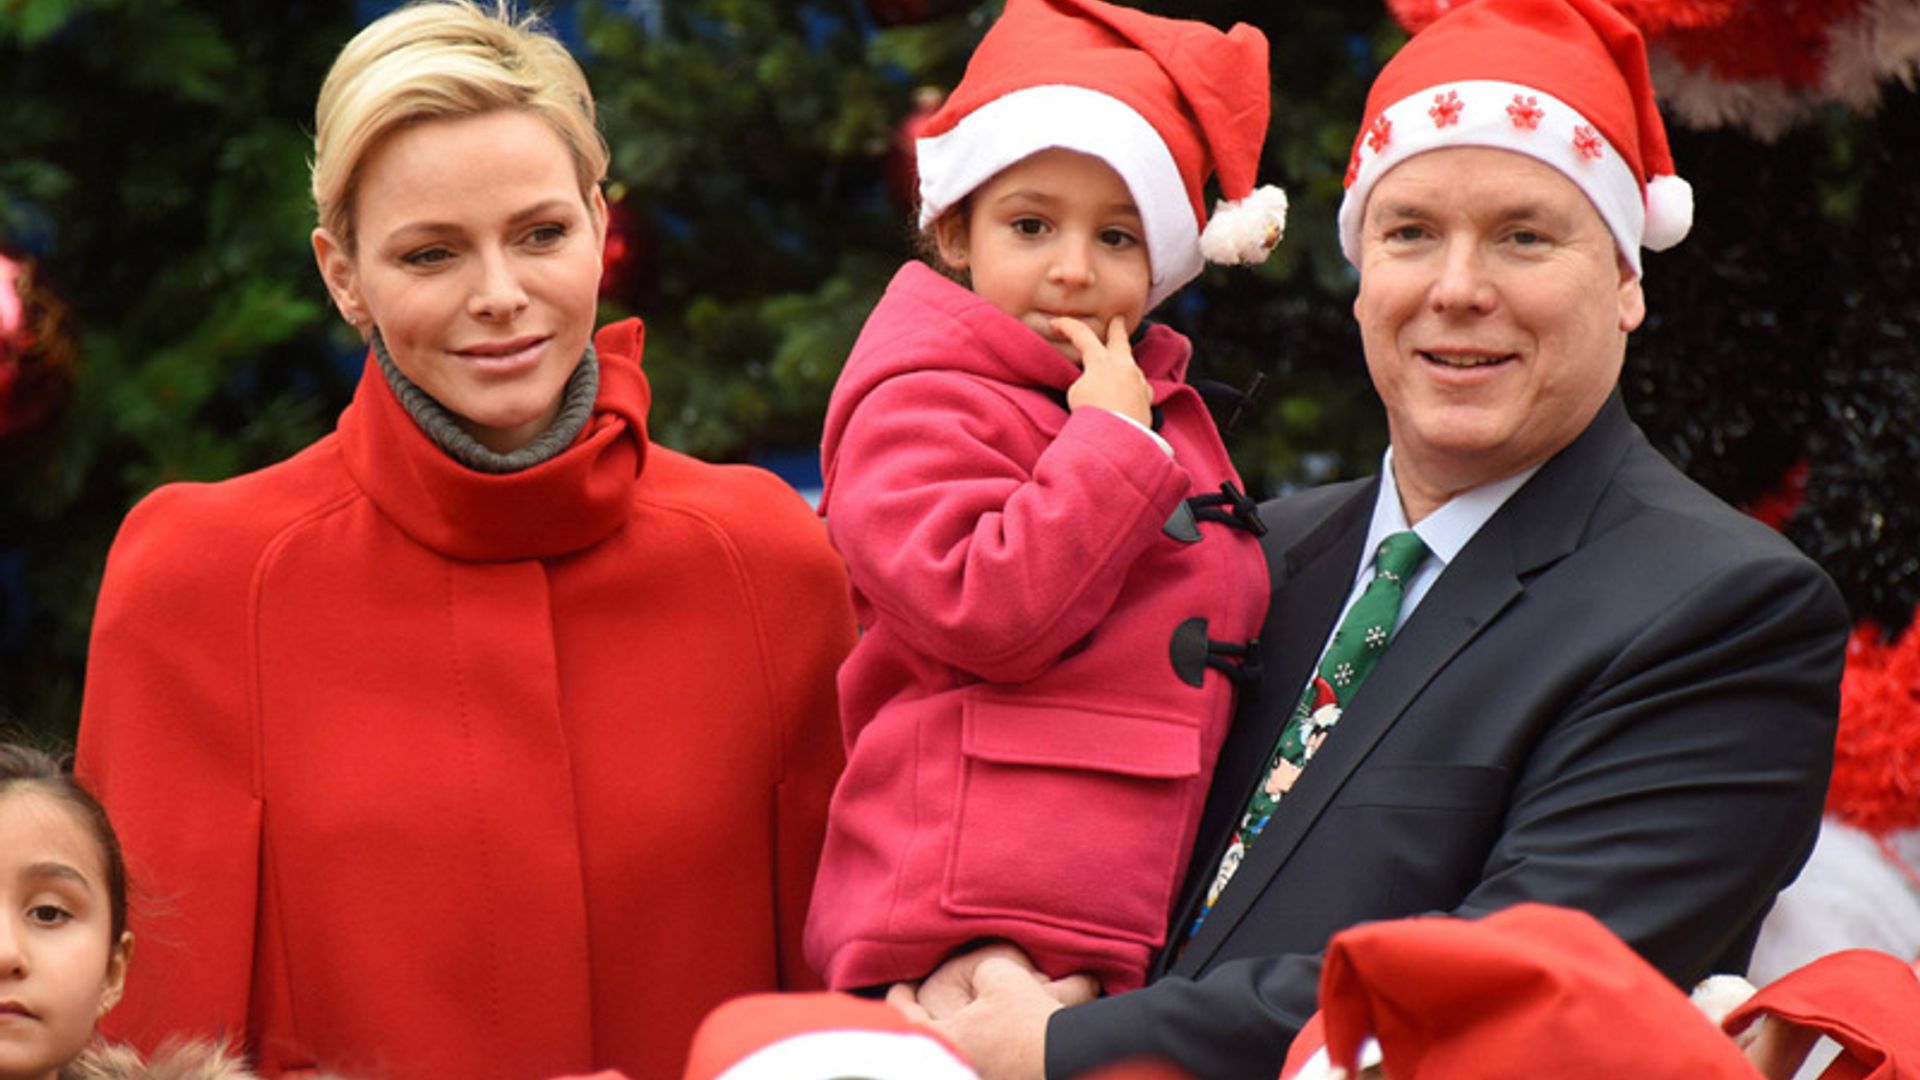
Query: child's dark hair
point(25, 767)
point(925, 243)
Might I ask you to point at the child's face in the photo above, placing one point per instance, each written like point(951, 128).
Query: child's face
point(1056, 234)
point(59, 967)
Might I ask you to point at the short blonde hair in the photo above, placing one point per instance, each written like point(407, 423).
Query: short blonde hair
point(437, 60)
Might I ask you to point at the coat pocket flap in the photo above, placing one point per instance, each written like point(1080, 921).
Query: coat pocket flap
point(1079, 736)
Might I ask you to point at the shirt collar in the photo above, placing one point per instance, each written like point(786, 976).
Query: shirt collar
point(1448, 528)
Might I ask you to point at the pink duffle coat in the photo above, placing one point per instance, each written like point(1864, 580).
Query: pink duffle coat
point(1030, 730)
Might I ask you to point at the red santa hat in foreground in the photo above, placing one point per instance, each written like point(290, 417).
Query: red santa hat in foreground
point(1866, 1002)
point(1562, 81)
point(822, 1036)
point(1537, 991)
point(1526, 992)
point(1164, 102)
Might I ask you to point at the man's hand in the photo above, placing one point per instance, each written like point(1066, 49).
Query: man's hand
point(1002, 1031)
point(993, 1004)
point(1108, 378)
point(950, 988)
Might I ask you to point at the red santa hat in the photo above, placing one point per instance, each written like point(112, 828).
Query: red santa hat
point(1164, 102)
point(1526, 992)
point(1562, 81)
point(1868, 1002)
point(822, 1036)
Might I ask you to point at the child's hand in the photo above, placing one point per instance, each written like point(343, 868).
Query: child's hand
point(1108, 378)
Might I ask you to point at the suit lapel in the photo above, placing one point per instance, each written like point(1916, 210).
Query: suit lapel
point(1311, 581)
point(1539, 525)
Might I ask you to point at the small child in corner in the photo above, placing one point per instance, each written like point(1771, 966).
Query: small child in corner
point(64, 942)
point(1056, 573)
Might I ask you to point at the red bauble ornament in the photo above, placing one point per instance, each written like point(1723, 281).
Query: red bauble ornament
point(37, 350)
point(1777, 507)
point(626, 263)
point(909, 12)
point(903, 176)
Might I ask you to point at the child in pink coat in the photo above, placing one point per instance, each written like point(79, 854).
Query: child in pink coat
point(1057, 576)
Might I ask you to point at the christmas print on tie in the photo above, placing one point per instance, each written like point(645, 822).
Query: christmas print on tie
point(1356, 647)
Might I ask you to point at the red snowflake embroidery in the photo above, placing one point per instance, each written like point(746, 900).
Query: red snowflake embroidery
point(1379, 133)
point(1446, 109)
point(1588, 142)
point(1526, 112)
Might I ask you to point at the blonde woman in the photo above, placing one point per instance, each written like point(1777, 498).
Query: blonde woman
point(484, 737)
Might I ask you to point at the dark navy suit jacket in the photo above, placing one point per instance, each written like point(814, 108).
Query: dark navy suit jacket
point(1619, 697)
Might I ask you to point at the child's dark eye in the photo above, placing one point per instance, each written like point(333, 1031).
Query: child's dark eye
point(1118, 238)
point(48, 914)
point(1029, 226)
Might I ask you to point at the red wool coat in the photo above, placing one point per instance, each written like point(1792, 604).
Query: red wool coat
point(427, 773)
point(1026, 758)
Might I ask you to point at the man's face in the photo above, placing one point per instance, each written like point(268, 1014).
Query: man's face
point(1494, 311)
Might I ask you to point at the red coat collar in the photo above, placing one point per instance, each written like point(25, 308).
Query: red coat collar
point(570, 502)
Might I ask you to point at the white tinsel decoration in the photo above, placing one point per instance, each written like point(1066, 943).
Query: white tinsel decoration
point(1879, 42)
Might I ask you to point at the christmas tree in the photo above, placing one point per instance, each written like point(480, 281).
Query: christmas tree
point(153, 180)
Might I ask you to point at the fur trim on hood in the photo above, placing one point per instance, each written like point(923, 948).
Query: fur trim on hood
point(173, 1061)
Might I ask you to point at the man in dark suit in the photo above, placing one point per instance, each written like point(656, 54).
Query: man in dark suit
point(1593, 684)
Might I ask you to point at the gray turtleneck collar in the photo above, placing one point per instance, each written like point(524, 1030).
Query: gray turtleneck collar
point(440, 425)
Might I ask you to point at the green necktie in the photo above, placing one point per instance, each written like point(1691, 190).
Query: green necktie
point(1350, 656)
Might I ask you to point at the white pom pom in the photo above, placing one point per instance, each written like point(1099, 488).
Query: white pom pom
point(1718, 995)
point(1245, 230)
point(1669, 212)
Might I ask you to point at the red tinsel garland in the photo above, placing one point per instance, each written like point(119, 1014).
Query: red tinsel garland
point(1781, 39)
point(1876, 754)
point(1651, 16)
point(1876, 758)
point(1764, 65)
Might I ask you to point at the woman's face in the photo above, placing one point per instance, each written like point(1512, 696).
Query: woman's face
point(478, 260)
point(60, 968)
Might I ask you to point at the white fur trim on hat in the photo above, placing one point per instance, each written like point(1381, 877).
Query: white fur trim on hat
point(1321, 1067)
point(830, 1055)
point(1244, 231)
point(1504, 116)
point(1718, 995)
point(1015, 126)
